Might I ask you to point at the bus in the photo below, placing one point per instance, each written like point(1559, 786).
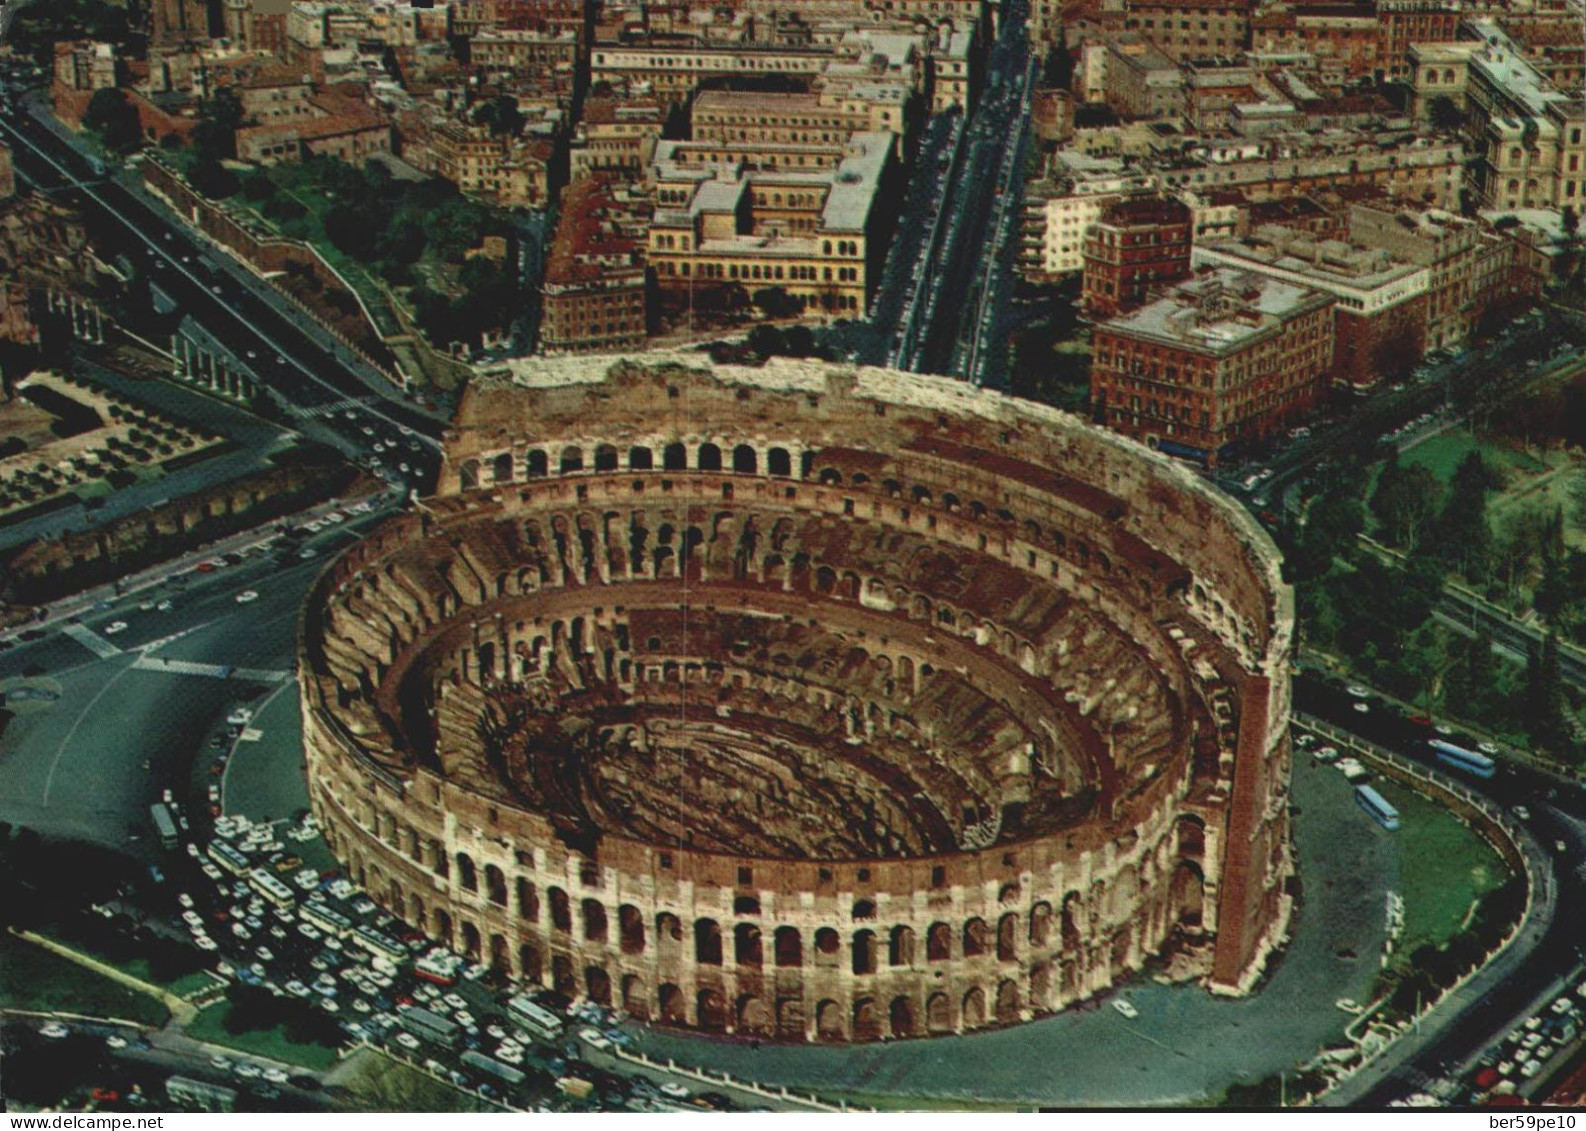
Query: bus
point(163, 824)
point(535, 1018)
point(440, 969)
point(227, 856)
point(379, 945)
point(493, 1067)
point(327, 919)
point(1466, 761)
point(431, 1026)
point(1377, 805)
point(271, 888)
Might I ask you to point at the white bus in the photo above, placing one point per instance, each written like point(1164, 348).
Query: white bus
point(327, 919)
point(228, 857)
point(535, 1018)
point(379, 945)
point(271, 888)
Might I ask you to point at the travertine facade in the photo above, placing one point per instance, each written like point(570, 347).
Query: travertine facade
point(811, 702)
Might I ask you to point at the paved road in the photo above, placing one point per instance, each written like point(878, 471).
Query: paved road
point(1549, 947)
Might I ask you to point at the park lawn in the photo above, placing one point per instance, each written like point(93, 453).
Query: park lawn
point(1562, 489)
point(1441, 455)
point(34, 978)
point(1444, 868)
point(210, 1025)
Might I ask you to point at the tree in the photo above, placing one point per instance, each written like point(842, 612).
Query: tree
point(1404, 500)
point(114, 119)
point(776, 302)
point(1464, 540)
point(215, 135)
point(502, 115)
point(212, 179)
point(1444, 114)
point(354, 231)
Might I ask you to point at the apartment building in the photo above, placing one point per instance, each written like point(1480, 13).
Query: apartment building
point(1134, 247)
point(594, 289)
point(1224, 357)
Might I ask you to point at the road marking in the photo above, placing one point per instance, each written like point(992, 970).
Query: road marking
point(55, 762)
point(91, 640)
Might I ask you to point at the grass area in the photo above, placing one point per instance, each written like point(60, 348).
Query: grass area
point(377, 1082)
point(33, 978)
point(885, 1102)
point(1441, 455)
point(1445, 868)
point(193, 983)
point(210, 1025)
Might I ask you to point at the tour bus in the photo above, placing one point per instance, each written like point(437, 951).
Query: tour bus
point(1467, 761)
point(534, 1018)
point(379, 945)
point(271, 888)
point(228, 857)
point(1377, 805)
point(327, 919)
point(163, 824)
point(493, 1067)
point(431, 1026)
point(442, 970)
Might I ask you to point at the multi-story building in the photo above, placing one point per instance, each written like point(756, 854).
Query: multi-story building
point(594, 290)
point(543, 50)
point(323, 122)
point(1343, 38)
point(819, 234)
point(1139, 79)
point(1472, 268)
point(1060, 210)
point(1381, 302)
point(1403, 23)
point(8, 179)
point(1225, 357)
point(1192, 29)
point(1133, 248)
point(513, 172)
point(822, 117)
point(615, 136)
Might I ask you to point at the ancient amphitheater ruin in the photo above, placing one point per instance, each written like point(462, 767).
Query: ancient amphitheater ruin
point(808, 702)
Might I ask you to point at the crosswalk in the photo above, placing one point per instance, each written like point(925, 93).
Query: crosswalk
point(91, 640)
point(211, 671)
point(334, 408)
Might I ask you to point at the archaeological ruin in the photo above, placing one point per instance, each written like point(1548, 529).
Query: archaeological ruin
point(812, 702)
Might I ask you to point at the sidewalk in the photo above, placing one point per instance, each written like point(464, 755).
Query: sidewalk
point(181, 1011)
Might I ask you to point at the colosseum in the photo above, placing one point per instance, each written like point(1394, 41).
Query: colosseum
point(812, 702)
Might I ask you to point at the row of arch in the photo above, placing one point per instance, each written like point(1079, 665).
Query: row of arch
point(572, 459)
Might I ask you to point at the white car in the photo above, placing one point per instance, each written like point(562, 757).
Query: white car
point(164, 607)
point(265, 954)
point(115, 626)
point(54, 1030)
point(248, 1071)
point(675, 1090)
point(116, 1041)
point(1358, 692)
point(455, 1001)
point(247, 595)
point(205, 943)
point(193, 919)
point(594, 1039)
point(275, 1076)
point(509, 1055)
point(1125, 1008)
point(408, 1041)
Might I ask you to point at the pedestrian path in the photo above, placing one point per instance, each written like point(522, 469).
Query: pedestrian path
point(91, 640)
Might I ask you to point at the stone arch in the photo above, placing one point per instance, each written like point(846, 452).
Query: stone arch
point(938, 942)
point(1008, 937)
point(707, 942)
point(1188, 894)
point(976, 940)
point(712, 1012)
point(789, 947)
point(867, 1020)
point(635, 1002)
point(472, 943)
point(1073, 915)
point(744, 460)
point(778, 462)
point(501, 468)
point(828, 943)
point(500, 954)
point(594, 921)
point(605, 457)
point(443, 927)
point(1008, 1002)
point(468, 475)
point(1191, 831)
point(709, 457)
point(1041, 925)
point(561, 910)
point(939, 1013)
point(641, 459)
point(673, 1007)
point(562, 980)
point(630, 928)
point(528, 900)
point(529, 968)
point(901, 1017)
point(746, 946)
point(828, 1021)
point(974, 1008)
point(674, 457)
point(496, 885)
point(754, 1016)
point(1125, 893)
point(597, 984)
point(572, 459)
point(864, 952)
point(900, 948)
point(467, 875)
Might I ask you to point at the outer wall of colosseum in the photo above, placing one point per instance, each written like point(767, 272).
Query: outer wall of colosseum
point(812, 702)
